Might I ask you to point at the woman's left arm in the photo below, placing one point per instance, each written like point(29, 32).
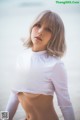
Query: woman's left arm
point(59, 80)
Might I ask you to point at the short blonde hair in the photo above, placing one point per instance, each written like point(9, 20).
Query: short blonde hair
point(56, 46)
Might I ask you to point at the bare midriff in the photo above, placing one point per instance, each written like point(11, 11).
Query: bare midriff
point(38, 106)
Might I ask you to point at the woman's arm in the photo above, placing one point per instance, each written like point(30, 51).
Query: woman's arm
point(12, 105)
point(61, 89)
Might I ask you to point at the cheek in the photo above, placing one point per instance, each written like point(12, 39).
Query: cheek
point(48, 37)
point(33, 33)
point(34, 30)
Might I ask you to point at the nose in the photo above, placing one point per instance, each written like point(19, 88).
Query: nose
point(40, 30)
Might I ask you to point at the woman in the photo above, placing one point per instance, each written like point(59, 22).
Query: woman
point(41, 72)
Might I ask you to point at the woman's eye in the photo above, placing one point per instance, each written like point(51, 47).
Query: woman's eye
point(38, 25)
point(48, 29)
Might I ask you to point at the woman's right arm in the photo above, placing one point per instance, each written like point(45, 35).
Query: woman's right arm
point(12, 105)
point(13, 99)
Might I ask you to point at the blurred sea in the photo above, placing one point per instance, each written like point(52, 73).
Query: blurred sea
point(15, 19)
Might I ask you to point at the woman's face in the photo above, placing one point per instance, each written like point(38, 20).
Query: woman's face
point(40, 36)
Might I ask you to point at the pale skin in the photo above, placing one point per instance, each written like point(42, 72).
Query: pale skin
point(38, 106)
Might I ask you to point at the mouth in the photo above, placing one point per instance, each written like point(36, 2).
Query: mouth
point(38, 38)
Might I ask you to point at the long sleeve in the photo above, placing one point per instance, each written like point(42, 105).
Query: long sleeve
point(59, 81)
point(12, 105)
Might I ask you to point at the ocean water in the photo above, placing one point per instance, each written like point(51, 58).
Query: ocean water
point(15, 20)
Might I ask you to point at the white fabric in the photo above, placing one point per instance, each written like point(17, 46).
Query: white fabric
point(36, 72)
point(12, 105)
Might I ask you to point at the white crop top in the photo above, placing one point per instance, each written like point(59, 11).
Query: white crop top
point(39, 73)
point(36, 72)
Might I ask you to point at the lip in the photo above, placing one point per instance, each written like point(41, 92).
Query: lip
point(39, 38)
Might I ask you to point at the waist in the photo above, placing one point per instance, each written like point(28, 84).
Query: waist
point(38, 106)
point(36, 100)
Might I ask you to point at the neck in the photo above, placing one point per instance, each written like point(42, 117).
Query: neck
point(36, 49)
